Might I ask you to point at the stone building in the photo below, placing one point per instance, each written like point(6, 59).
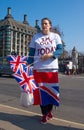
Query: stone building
point(15, 36)
point(81, 63)
point(75, 57)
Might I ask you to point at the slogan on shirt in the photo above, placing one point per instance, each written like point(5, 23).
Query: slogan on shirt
point(49, 49)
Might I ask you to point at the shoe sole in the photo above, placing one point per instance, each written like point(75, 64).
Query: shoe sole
point(44, 122)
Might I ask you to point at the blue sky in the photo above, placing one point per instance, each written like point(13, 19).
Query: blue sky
point(67, 14)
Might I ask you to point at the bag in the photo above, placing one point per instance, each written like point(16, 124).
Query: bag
point(26, 99)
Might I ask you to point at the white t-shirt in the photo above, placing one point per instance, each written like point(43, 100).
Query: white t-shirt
point(45, 44)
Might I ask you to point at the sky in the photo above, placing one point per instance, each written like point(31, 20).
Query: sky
point(68, 15)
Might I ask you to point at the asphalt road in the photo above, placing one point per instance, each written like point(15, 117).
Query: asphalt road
point(71, 97)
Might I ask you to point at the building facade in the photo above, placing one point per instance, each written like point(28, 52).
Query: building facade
point(81, 63)
point(75, 57)
point(15, 36)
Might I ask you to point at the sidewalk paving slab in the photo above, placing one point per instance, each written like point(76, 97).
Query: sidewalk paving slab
point(17, 119)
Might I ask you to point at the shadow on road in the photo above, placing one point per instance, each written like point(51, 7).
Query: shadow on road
point(30, 122)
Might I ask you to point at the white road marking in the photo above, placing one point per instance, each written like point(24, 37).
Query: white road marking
point(71, 76)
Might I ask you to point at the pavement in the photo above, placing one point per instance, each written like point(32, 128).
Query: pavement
point(12, 118)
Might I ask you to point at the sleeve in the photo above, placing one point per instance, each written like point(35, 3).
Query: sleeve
point(58, 51)
point(59, 48)
point(32, 43)
point(30, 59)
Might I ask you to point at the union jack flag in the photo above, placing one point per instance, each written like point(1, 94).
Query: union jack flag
point(17, 62)
point(26, 79)
point(48, 90)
